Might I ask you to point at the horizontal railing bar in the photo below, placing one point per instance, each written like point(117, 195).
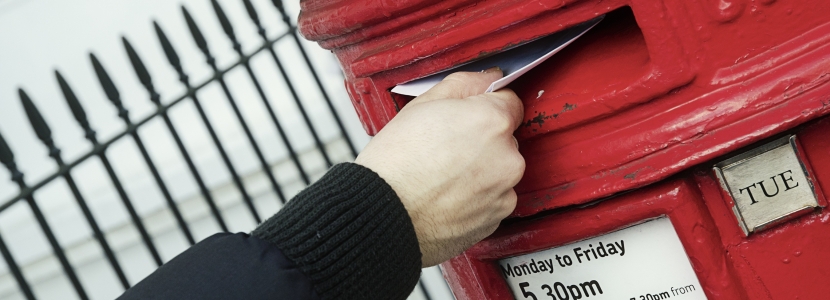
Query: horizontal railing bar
point(134, 127)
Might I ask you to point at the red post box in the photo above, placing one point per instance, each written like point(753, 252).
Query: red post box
point(676, 150)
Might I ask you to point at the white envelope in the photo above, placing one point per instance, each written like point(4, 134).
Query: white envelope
point(514, 62)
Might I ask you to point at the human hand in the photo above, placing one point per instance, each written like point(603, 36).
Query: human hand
point(451, 157)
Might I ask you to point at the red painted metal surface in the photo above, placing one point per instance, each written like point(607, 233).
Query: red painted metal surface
point(659, 89)
point(785, 262)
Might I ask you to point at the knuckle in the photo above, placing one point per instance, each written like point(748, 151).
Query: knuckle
point(510, 95)
point(504, 123)
point(516, 169)
point(490, 230)
point(486, 112)
point(501, 114)
point(520, 164)
point(508, 204)
point(498, 118)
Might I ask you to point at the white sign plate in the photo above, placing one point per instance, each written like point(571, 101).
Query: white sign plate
point(641, 262)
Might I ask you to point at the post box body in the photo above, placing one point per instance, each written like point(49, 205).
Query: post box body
point(627, 124)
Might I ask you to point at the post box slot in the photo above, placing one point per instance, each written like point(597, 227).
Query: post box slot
point(514, 60)
point(557, 40)
point(607, 59)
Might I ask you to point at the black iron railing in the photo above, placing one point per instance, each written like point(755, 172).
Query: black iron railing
point(99, 148)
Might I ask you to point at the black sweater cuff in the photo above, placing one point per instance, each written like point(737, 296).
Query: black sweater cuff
point(350, 233)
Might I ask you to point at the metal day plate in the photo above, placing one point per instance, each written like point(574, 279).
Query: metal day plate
point(641, 262)
point(768, 185)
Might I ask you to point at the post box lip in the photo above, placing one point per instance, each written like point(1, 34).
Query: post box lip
point(388, 74)
point(384, 53)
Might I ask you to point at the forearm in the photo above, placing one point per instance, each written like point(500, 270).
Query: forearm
point(347, 236)
point(350, 234)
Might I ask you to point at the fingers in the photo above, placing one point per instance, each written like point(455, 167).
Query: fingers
point(461, 85)
point(506, 102)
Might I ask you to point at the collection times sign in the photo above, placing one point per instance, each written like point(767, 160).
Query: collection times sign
point(641, 262)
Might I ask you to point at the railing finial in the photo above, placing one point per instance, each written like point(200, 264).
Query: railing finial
point(106, 81)
point(7, 159)
point(109, 88)
point(138, 65)
point(76, 108)
point(6, 154)
point(255, 18)
point(169, 51)
point(281, 8)
point(249, 7)
point(195, 32)
point(42, 130)
point(224, 21)
point(44, 133)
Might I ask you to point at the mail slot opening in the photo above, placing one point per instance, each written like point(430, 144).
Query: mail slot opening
point(513, 59)
point(606, 60)
point(598, 67)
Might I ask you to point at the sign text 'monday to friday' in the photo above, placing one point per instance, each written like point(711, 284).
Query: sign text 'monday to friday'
point(581, 255)
point(641, 262)
point(559, 290)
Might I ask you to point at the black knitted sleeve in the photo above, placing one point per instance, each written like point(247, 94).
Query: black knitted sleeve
point(350, 233)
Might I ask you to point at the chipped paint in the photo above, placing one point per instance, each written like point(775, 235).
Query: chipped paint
point(542, 117)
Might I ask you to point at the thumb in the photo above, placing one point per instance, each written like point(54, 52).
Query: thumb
point(460, 85)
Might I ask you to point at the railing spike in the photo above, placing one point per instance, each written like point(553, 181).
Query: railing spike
point(280, 7)
point(170, 52)
point(44, 133)
point(75, 107)
point(195, 32)
point(223, 19)
point(106, 81)
point(6, 154)
point(249, 7)
point(42, 130)
point(7, 159)
point(138, 65)
point(172, 57)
